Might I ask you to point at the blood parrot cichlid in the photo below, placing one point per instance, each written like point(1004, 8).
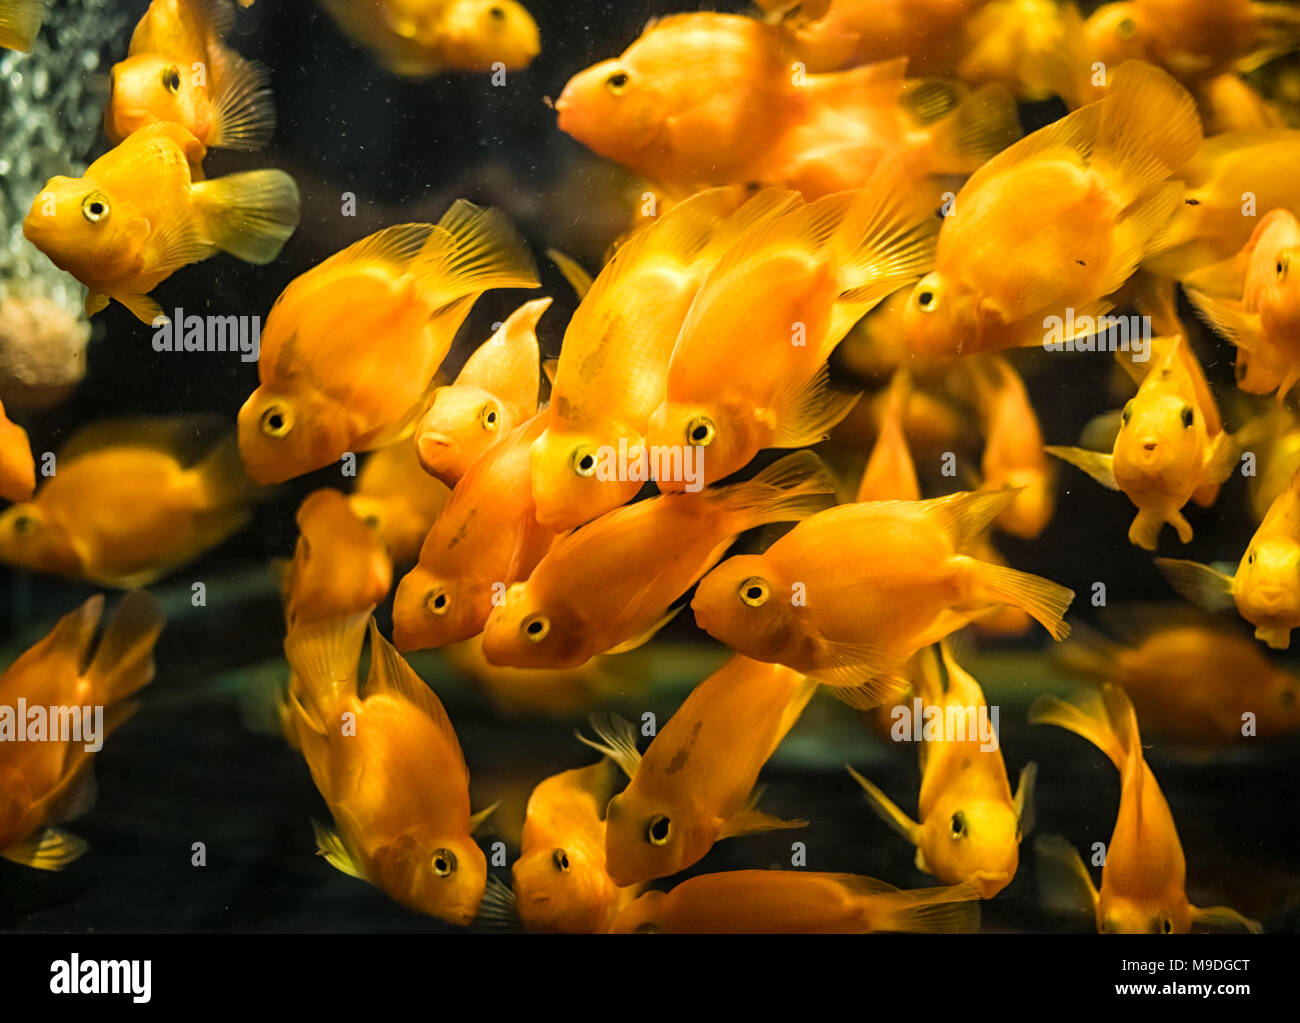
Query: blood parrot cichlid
point(350, 348)
point(1144, 878)
point(45, 782)
point(850, 594)
point(798, 902)
point(740, 383)
point(420, 38)
point(179, 69)
point(608, 586)
point(17, 464)
point(386, 760)
point(560, 882)
point(704, 99)
point(1057, 221)
point(694, 785)
point(970, 824)
point(339, 564)
point(143, 210)
point(1254, 301)
point(398, 499)
point(494, 392)
point(130, 501)
point(613, 365)
point(1265, 589)
point(485, 539)
point(1171, 446)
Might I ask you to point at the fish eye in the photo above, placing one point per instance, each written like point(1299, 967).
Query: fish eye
point(958, 825)
point(700, 431)
point(754, 591)
point(536, 627)
point(275, 422)
point(489, 417)
point(171, 79)
point(1283, 264)
point(617, 82)
point(561, 860)
point(659, 830)
point(24, 525)
point(444, 862)
point(372, 521)
point(1188, 417)
point(583, 461)
point(437, 601)
point(1286, 697)
point(1250, 557)
point(94, 207)
point(497, 13)
point(1164, 925)
point(927, 299)
point(1127, 414)
point(1126, 29)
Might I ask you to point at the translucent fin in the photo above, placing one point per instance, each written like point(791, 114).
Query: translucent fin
point(573, 271)
point(1085, 715)
point(751, 820)
point(615, 738)
point(1201, 584)
point(1043, 600)
point(142, 307)
point(953, 909)
point(249, 215)
point(20, 21)
point(887, 810)
point(324, 655)
point(1099, 465)
point(479, 819)
point(471, 250)
point(806, 415)
point(1229, 318)
point(1063, 880)
point(788, 490)
point(966, 516)
point(243, 116)
point(123, 661)
point(1024, 799)
point(499, 908)
point(1224, 917)
point(329, 845)
point(50, 849)
point(644, 637)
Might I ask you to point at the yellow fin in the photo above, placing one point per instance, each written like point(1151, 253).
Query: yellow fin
point(573, 271)
point(243, 117)
point(1224, 916)
point(251, 214)
point(887, 810)
point(324, 655)
point(964, 517)
point(1202, 585)
point(142, 307)
point(20, 21)
point(329, 845)
point(643, 637)
point(123, 661)
point(479, 819)
point(952, 909)
point(1086, 715)
point(471, 250)
point(615, 738)
point(1063, 879)
point(751, 820)
point(790, 489)
point(50, 849)
point(1043, 600)
point(1097, 464)
point(806, 414)
point(1024, 799)
point(1228, 317)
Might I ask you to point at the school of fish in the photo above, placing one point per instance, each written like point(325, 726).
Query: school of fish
point(836, 197)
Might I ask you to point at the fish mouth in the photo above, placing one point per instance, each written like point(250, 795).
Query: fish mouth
point(990, 882)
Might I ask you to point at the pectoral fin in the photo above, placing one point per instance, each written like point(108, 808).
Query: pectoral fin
point(1201, 584)
point(1097, 464)
point(50, 849)
point(1024, 799)
point(329, 845)
point(1224, 916)
point(888, 811)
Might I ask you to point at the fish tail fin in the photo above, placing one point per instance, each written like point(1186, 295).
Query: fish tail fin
point(1148, 129)
point(951, 909)
point(20, 21)
point(222, 477)
point(788, 490)
point(243, 116)
point(123, 661)
point(1104, 717)
point(324, 655)
point(471, 250)
point(1043, 600)
point(251, 214)
point(978, 125)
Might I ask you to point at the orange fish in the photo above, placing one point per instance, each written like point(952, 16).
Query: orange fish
point(1171, 446)
point(1144, 877)
point(419, 38)
point(20, 21)
point(850, 594)
point(561, 885)
point(798, 902)
point(1195, 39)
point(385, 758)
point(707, 99)
point(142, 211)
point(694, 785)
point(890, 474)
point(1230, 104)
point(737, 385)
point(1013, 448)
point(1193, 681)
point(494, 392)
point(1265, 589)
point(1058, 221)
point(485, 539)
point(1231, 177)
point(130, 502)
point(613, 364)
point(339, 565)
point(639, 559)
point(398, 499)
point(350, 348)
point(17, 466)
point(178, 69)
point(1254, 299)
point(970, 825)
point(47, 778)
